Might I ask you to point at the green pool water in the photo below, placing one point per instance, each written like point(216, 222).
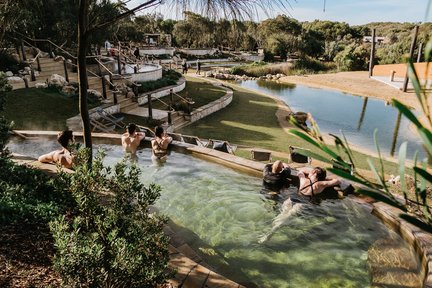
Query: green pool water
point(220, 213)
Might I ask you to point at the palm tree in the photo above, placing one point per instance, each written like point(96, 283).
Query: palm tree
point(226, 8)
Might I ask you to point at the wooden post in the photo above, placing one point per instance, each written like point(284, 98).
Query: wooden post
point(24, 57)
point(38, 64)
point(32, 74)
point(26, 84)
point(111, 81)
point(420, 49)
point(115, 97)
point(413, 43)
point(119, 64)
point(169, 118)
point(17, 47)
point(65, 70)
point(75, 66)
point(171, 98)
point(372, 55)
point(150, 110)
point(104, 92)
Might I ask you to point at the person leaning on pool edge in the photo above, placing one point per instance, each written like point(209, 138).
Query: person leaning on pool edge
point(64, 155)
point(131, 139)
point(276, 176)
point(159, 145)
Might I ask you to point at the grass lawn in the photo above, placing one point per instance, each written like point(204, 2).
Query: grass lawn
point(250, 120)
point(40, 109)
point(201, 92)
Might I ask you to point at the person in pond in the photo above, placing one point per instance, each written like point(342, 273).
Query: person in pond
point(159, 145)
point(131, 139)
point(63, 156)
point(275, 177)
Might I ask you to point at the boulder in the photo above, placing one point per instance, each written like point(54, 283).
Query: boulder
point(57, 80)
point(15, 79)
point(94, 93)
point(59, 58)
point(41, 85)
point(69, 89)
point(9, 73)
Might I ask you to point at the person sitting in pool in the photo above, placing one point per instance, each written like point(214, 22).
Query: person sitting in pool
point(159, 145)
point(311, 183)
point(315, 181)
point(62, 156)
point(131, 139)
point(275, 177)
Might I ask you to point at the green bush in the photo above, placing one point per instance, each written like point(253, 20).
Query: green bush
point(29, 194)
point(5, 125)
point(115, 244)
point(309, 65)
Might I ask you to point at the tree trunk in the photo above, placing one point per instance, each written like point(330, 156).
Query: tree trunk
point(82, 74)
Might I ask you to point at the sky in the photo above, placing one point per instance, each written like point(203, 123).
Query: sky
point(354, 12)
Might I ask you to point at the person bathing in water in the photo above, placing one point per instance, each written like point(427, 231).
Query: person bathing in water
point(131, 139)
point(160, 145)
point(64, 155)
point(275, 177)
point(311, 183)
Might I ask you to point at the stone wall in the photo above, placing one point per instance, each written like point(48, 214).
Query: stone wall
point(148, 76)
point(181, 84)
point(157, 51)
point(212, 107)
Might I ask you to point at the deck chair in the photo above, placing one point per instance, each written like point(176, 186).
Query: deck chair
point(101, 126)
point(297, 157)
point(110, 119)
point(193, 140)
point(258, 155)
point(148, 132)
point(223, 146)
point(176, 136)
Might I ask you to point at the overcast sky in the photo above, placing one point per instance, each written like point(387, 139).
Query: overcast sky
point(354, 12)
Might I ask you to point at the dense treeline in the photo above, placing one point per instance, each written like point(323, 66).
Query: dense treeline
point(281, 36)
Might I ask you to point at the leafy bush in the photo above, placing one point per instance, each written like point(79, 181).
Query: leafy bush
point(29, 194)
point(352, 58)
point(115, 244)
point(309, 65)
point(5, 125)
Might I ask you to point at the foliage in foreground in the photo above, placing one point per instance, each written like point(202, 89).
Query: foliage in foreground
point(416, 195)
point(28, 194)
point(114, 244)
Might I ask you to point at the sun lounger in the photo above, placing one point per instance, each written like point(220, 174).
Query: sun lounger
point(101, 127)
point(193, 140)
point(297, 157)
point(110, 119)
point(258, 155)
point(221, 145)
point(176, 136)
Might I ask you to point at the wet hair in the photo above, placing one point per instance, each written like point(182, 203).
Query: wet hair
point(277, 167)
point(159, 131)
point(64, 137)
point(131, 127)
point(321, 173)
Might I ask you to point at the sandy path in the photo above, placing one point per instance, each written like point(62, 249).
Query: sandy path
point(357, 83)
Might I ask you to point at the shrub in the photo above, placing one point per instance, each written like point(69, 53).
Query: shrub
point(117, 244)
point(5, 125)
point(29, 194)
